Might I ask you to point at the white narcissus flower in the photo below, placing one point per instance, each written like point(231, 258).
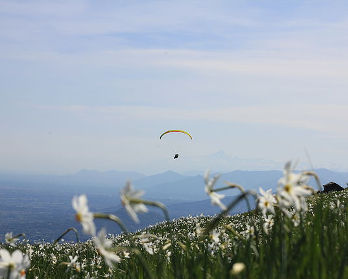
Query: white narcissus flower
point(74, 263)
point(293, 195)
point(338, 205)
point(199, 230)
point(268, 223)
point(150, 248)
point(237, 268)
point(215, 236)
point(13, 266)
point(131, 200)
point(249, 232)
point(53, 258)
point(210, 182)
point(292, 189)
point(126, 254)
point(147, 240)
point(10, 239)
point(293, 215)
point(102, 245)
point(214, 197)
point(83, 215)
point(293, 178)
point(266, 201)
point(296, 219)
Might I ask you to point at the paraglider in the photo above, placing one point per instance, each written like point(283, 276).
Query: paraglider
point(176, 131)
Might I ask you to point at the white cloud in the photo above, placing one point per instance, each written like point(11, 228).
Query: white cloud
point(260, 63)
point(330, 119)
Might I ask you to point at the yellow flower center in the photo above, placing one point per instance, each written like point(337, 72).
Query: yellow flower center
point(287, 188)
point(78, 217)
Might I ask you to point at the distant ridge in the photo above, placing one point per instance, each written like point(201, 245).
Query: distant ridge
point(114, 178)
point(83, 177)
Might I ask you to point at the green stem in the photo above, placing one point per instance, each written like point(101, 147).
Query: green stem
point(9, 272)
point(234, 232)
point(147, 270)
point(64, 233)
point(18, 236)
point(316, 177)
point(218, 218)
point(240, 188)
point(161, 206)
point(221, 189)
point(111, 218)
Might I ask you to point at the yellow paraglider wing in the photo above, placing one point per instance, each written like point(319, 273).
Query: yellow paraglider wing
point(175, 131)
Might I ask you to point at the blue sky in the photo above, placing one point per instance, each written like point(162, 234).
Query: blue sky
point(92, 84)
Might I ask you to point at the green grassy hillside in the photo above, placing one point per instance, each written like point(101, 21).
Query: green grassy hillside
point(239, 246)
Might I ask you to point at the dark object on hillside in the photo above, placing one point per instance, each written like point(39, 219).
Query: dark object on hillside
point(330, 187)
point(176, 156)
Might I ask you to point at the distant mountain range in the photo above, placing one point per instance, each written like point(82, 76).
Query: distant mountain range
point(40, 205)
point(166, 182)
point(85, 178)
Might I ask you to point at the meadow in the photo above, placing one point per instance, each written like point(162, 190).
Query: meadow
point(293, 233)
